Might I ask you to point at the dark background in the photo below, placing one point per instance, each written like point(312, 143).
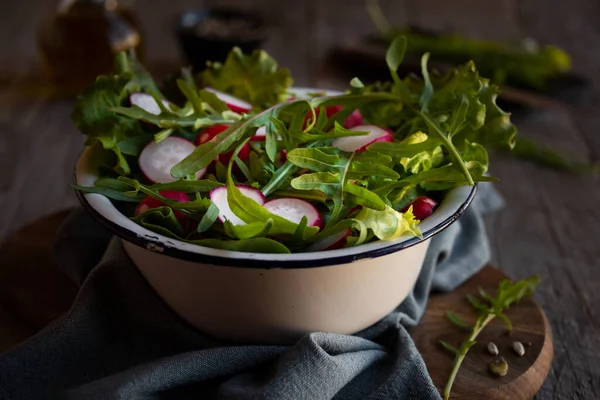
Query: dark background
point(551, 223)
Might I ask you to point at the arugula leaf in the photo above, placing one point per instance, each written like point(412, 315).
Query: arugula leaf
point(209, 218)
point(187, 186)
point(254, 245)
point(108, 192)
point(255, 78)
point(248, 231)
point(161, 220)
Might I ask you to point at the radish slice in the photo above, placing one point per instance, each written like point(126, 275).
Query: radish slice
point(157, 159)
point(219, 197)
point(147, 103)
point(423, 207)
point(151, 202)
point(335, 241)
point(209, 135)
point(294, 209)
point(358, 144)
point(261, 134)
point(354, 119)
point(234, 104)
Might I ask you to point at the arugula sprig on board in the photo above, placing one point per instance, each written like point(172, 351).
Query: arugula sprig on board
point(488, 308)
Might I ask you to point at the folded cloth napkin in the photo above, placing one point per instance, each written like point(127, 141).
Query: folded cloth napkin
point(120, 341)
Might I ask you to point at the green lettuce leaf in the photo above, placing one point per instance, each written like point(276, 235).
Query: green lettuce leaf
point(389, 224)
point(161, 220)
point(93, 116)
point(255, 78)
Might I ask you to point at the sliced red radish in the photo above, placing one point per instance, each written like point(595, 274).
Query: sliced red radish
point(210, 134)
point(151, 202)
point(354, 119)
point(423, 207)
point(234, 104)
point(335, 241)
point(358, 144)
point(157, 159)
point(219, 197)
point(261, 134)
point(147, 103)
point(294, 210)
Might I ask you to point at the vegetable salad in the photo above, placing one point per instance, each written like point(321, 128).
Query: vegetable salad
point(246, 164)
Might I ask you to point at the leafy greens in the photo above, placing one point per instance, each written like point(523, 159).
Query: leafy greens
point(440, 126)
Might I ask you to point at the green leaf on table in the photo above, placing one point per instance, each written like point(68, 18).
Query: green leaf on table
point(456, 320)
point(448, 347)
point(478, 305)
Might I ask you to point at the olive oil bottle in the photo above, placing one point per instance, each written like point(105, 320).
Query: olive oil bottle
point(79, 41)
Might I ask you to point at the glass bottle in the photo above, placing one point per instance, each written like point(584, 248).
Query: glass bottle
point(79, 41)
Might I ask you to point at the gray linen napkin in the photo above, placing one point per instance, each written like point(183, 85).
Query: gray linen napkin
point(120, 341)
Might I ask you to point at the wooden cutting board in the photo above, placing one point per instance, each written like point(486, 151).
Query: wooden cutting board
point(34, 292)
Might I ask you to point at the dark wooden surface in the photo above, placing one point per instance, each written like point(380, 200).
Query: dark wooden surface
point(28, 305)
point(551, 223)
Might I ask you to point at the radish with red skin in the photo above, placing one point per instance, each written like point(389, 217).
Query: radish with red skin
point(357, 144)
point(422, 206)
point(235, 104)
point(157, 159)
point(219, 197)
point(333, 242)
point(294, 210)
point(210, 134)
point(150, 202)
point(354, 119)
point(261, 134)
point(147, 103)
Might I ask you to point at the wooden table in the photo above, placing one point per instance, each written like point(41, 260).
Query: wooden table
point(551, 224)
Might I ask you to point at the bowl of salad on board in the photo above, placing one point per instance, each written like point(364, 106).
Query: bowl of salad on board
point(259, 211)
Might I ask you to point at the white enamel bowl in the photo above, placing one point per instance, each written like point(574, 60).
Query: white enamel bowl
point(273, 298)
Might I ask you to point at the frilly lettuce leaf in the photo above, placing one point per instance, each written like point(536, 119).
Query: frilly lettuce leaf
point(93, 116)
point(255, 78)
point(424, 160)
point(389, 224)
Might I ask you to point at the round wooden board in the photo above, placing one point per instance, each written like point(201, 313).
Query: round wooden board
point(33, 292)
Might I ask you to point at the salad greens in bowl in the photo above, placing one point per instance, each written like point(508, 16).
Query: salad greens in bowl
point(234, 196)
